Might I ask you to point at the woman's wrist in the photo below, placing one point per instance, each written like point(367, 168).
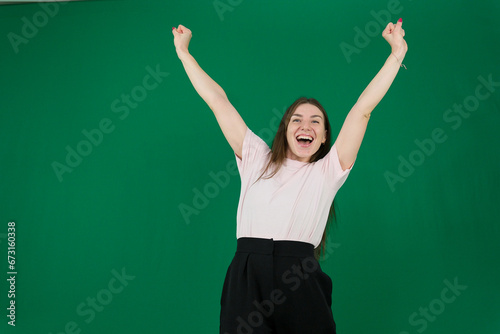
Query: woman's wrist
point(398, 56)
point(397, 60)
point(182, 53)
point(399, 53)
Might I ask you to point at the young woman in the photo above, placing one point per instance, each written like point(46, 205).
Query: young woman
point(274, 283)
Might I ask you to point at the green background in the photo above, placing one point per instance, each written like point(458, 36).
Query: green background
point(396, 243)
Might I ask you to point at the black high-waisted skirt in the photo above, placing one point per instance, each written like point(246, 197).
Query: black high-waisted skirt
point(276, 287)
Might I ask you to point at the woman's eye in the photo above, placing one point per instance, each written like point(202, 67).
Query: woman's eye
point(295, 120)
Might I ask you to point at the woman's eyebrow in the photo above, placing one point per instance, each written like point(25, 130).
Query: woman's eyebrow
point(299, 115)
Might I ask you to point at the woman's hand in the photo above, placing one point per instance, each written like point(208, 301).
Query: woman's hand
point(394, 34)
point(182, 36)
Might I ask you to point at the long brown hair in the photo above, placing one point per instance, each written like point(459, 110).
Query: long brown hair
point(278, 154)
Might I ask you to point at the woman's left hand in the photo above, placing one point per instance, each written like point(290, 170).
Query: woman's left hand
point(394, 34)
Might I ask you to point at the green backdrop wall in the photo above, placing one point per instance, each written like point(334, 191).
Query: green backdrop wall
point(124, 192)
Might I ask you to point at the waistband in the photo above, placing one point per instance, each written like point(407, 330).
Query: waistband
point(274, 247)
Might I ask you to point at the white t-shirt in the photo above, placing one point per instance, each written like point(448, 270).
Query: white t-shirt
point(292, 205)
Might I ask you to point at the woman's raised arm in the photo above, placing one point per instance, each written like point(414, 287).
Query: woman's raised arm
point(353, 130)
point(232, 125)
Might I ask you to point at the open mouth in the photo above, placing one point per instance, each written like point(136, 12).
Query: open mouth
point(304, 140)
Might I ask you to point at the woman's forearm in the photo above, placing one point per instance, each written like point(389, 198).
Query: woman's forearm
point(206, 87)
point(379, 85)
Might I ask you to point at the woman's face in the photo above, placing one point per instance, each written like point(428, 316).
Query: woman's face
point(306, 132)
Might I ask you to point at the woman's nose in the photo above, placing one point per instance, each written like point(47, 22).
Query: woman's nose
point(305, 126)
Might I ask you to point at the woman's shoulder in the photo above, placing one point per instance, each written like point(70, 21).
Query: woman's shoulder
point(254, 142)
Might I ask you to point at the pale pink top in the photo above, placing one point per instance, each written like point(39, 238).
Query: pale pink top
point(292, 205)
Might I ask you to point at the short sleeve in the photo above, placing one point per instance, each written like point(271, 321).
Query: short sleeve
point(333, 169)
point(254, 154)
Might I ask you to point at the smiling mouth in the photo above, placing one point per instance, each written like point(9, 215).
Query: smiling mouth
point(304, 141)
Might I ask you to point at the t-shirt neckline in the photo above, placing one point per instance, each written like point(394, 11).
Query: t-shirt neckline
point(294, 163)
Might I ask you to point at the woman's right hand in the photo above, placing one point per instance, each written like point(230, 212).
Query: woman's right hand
point(394, 34)
point(182, 36)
